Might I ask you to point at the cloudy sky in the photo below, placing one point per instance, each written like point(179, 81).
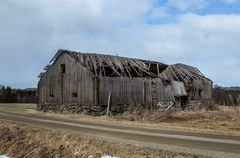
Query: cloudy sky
point(201, 33)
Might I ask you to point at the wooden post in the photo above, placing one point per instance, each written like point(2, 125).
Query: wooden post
point(109, 99)
point(239, 109)
point(158, 69)
point(143, 93)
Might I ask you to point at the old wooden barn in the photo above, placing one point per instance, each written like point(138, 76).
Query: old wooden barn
point(76, 82)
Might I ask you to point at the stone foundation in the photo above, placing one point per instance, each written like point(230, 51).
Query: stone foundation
point(118, 109)
point(62, 108)
point(72, 108)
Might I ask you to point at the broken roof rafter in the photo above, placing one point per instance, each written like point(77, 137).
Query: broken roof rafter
point(120, 66)
point(115, 66)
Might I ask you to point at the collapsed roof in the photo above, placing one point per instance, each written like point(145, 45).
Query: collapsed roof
point(116, 66)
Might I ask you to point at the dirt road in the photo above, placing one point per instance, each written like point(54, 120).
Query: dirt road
point(189, 142)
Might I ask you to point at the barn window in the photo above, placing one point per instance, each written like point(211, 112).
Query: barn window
point(51, 95)
point(63, 68)
point(200, 93)
point(74, 94)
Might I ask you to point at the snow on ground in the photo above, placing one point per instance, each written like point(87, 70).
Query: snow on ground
point(4, 156)
point(104, 156)
point(108, 156)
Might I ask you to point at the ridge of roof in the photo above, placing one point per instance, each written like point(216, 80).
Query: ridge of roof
point(118, 66)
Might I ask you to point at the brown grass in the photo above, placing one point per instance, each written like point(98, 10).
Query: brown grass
point(215, 118)
point(22, 141)
point(18, 106)
point(224, 119)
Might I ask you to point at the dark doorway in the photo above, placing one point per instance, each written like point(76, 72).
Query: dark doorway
point(184, 101)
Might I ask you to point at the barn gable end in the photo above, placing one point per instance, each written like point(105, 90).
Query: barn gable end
point(73, 86)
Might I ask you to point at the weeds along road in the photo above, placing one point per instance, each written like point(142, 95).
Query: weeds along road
point(206, 144)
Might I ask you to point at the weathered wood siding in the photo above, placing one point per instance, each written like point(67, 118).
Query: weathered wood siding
point(163, 92)
point(76, 79)
point(79, 88)
point(140, 91)
point(201, 89)
point(123, 90)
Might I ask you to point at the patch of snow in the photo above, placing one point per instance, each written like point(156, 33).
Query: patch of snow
point(4, 156)
point(104, 156)
point(108, 156)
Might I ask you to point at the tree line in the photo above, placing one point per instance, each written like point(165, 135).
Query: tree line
point(9, 95)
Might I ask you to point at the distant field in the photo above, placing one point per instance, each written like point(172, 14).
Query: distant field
point(18, 106)
point(222, 119)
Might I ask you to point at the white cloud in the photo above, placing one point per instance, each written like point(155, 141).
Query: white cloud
point(184, 5)
point(231, 1)
point(220, 22)
point(31, 32)
point(159, 12)
point(196, 40)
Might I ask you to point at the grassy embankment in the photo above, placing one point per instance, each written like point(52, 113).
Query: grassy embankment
point(221, 119)
point(18, 140)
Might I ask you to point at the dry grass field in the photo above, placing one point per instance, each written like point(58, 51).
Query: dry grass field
point(18, 106)
point(221, 119)
point(18, 141)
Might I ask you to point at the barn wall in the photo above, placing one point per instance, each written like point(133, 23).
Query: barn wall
point(76, 79)
point(164, 92)
point(140, 91)
point(201, 89)
point(123, 90)
point(148, 92)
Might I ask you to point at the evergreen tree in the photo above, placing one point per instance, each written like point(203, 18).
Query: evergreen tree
point(8, 95)
point(2, 94)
